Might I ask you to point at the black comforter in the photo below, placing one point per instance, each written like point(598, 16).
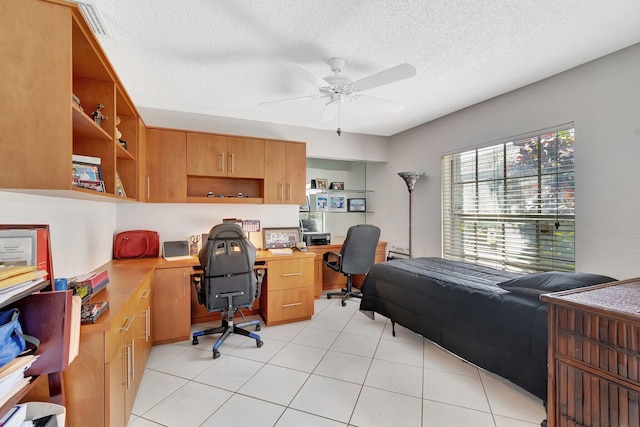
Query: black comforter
point(460, 307)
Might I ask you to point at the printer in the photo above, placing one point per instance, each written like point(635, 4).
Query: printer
point(316, 238)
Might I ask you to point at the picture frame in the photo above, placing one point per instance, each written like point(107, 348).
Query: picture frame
point(87, 175)
point(283, 237)
point(337, 203)
point(336, 186)
point(357, 204)
point(305, 207)
point(322, 183)
point(319, 203)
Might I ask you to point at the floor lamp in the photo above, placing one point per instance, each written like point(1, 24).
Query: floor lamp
point(410, 178)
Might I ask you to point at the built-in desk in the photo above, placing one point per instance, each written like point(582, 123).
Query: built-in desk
point(145, 295)
point(326, 278)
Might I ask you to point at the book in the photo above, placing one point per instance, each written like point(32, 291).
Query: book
point(19, 363)
point(86, 159)
point(92, 311)
point(14, 390)
point(22, 278)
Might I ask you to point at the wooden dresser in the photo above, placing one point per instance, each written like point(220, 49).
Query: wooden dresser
point(594, 356)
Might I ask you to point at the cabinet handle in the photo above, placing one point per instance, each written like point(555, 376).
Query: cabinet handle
point(146, 294)
point(222, 162)
point(291, 274)
point(133, 358)
point(293, 304)
point(128, 367)
point(290, 191)
point(128, 325)
point(281, 195)
point(147, 323)
point(148, 187)
point(233, 163)
point(184, 283)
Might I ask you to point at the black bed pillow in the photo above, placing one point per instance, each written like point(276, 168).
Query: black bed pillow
point(536, 284)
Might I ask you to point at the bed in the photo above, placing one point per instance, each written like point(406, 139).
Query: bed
point(462, 308)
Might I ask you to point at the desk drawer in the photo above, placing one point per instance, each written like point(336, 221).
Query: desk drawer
point(289, 305)
point(604, 343)
point(289, 274)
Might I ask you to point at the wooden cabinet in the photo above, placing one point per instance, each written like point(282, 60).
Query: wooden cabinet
point(171, 304)
point(288, 294)
point(221, 155)
point(594, 356)
point(102, 382)
point(59, 56)
point(166, 166)
point(285, 172)
point(224, 166)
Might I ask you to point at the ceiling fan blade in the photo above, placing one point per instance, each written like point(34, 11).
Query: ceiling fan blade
point(383, 104)
point(393, 74)
point(303, 72)
point(330, 111)
point(300, 98)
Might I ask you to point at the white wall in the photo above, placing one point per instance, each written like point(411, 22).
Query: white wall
point(602, 98)
point(81, 231)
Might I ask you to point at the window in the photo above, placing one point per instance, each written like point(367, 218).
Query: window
point(511, 205)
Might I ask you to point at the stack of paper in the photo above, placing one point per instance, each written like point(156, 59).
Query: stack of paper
point(15, 279)
point(12, 378)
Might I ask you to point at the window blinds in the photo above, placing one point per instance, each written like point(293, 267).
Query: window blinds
point(511, 205)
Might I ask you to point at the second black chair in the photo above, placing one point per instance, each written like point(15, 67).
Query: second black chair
point(356, 256)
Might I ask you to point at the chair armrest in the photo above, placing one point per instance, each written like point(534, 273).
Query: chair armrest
point(332, 260)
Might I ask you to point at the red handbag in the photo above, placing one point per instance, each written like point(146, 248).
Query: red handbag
point(136, 244)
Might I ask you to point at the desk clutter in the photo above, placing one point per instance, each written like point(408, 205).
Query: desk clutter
point(85, 287)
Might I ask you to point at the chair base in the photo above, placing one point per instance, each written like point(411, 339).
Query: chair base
point(345, 294)
point(226, 329)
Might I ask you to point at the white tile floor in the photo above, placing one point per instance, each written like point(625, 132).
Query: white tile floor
point(338, 369)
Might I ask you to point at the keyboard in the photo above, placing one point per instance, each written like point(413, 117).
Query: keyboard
point(281, 251)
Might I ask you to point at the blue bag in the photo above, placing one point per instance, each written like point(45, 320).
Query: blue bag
point(13, 342)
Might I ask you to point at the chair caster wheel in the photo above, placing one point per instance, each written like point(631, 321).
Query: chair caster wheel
point(257, 328)
point(259, 343)
point(344, 303)
point(216, 354)
point(195, 341)
point(328, 296)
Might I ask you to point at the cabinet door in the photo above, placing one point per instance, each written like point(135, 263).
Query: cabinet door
point(275, 161)
point(245, 158)
point(171, 305)
point(166, 166)
point(206, 154)
point(117, 372)
point(296, 173)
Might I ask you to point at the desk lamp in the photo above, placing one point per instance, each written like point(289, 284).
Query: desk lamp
point(410, 178)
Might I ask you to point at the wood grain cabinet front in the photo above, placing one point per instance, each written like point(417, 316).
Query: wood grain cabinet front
point(285, 172)
point(594, 356)
point(166, 166)
point(171, 304)
point(288, 295)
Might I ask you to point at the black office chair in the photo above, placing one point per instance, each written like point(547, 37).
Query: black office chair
point(308, 226)
point(356, 256)
point(228, 282)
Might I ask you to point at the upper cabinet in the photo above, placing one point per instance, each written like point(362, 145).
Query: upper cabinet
point(166, 166)
point(285, 172)
point(224, 156)
point(55, 82)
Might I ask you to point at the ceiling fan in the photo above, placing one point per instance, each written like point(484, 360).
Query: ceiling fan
point(338, 87)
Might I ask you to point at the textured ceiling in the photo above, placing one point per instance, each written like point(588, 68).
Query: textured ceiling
point(222, 58)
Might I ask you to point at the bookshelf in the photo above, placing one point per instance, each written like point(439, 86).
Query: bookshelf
point(47, 316)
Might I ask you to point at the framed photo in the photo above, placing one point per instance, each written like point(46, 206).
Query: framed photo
point(322, 183)
point(337, 203)
point(305, 207)
point(319, 202)
point(357, 205)
point(280, 237)
point(337, 186)
point(87, 175)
